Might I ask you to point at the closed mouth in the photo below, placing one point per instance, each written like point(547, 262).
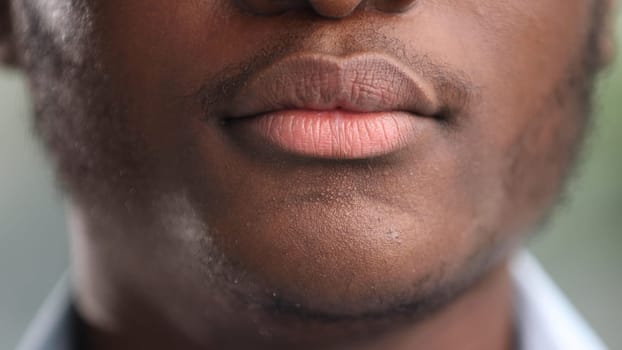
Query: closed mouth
point(319, 106)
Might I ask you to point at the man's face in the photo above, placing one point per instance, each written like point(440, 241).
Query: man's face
point(481, 102)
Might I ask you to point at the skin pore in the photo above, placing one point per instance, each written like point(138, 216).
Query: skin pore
point(185, 234)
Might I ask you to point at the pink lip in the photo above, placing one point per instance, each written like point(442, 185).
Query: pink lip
point(320, 106)
point(333, 134)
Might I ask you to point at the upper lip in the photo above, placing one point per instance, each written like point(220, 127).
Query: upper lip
point(358, 83)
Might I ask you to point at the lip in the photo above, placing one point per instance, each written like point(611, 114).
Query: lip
point(320, 106)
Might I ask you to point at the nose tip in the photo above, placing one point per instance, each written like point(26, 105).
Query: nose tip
point(324, 8)
point(334, 8)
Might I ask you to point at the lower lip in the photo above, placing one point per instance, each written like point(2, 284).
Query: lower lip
point(333, 134)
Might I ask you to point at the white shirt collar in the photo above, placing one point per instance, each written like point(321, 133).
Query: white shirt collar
point(547, 320)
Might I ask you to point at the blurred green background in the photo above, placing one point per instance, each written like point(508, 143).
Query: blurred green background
point(581, 247)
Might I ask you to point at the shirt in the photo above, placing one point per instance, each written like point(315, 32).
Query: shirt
point(545, 319)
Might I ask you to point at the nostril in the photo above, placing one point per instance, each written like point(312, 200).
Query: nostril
point(334, 8)
point(394, 5)
point(270, 7)
point(324, 8)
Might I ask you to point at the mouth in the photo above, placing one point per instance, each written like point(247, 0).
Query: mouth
point(328, 107)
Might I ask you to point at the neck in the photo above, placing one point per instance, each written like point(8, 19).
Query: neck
point(119, 313)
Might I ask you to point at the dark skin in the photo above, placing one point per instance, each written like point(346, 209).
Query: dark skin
point(186, 236)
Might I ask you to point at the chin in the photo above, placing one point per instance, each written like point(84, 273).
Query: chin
point(350, 259)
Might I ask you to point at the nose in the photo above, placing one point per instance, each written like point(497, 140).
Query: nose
point(324, 8)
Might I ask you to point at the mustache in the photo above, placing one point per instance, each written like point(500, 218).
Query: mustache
point(455, 90)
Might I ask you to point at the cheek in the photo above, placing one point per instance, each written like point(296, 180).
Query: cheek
point(531, 119)
point(157, 53)
point(516, 141)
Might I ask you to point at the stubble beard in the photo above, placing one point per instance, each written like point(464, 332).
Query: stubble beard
point(102, 164)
